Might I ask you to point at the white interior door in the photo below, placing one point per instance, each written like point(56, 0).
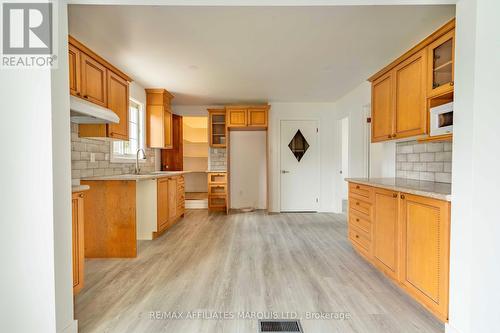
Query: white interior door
point(299, 166)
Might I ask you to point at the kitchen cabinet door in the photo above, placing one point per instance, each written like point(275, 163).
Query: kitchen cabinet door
point(425, 242)
point(118, 99)
point(74, 60)
point(441, 54)
point(172, 200)
point(382, 108)
point(94, 76)
point(162, 204)
point(236, 117)
point(217, 128)
point(78, 246)
point(385, 231)
point(257, 117)
point(410, 96)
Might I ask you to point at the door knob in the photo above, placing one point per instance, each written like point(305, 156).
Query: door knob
point(285, 171)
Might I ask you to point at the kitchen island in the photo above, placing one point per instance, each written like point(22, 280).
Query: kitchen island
point(121, 209)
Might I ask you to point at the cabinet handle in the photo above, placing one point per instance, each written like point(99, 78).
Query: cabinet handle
point(357, 203)
point(357, 220)
point(394, 195)
point(357, 236)
point(394, 135)
point(389, 136)
point(452, 83)
point(85, 96)
point(402, 196)
point(78, 94)
point(357, 187)
point(81, 195)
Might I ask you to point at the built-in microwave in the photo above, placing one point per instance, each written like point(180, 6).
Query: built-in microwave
point(441, 119)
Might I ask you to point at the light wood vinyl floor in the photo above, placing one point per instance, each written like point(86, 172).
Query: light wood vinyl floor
point(209, 262)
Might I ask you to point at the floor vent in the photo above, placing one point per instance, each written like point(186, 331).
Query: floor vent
point(283, 326)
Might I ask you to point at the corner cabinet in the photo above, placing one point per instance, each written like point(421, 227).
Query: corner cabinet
point(403, 91)
point(95, 80)
point(405, 236)
point(78, 246)
point(159, 119)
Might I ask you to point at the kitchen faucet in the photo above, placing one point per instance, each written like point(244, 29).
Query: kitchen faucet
point(137, 169)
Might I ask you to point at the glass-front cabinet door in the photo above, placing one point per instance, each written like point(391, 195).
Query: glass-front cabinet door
point(441, 63)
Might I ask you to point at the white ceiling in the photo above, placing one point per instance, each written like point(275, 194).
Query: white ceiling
point(218, 55)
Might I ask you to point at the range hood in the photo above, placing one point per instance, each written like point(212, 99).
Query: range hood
point(84, 112)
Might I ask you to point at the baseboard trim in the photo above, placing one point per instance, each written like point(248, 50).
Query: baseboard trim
point(450, 329)
point(71, 328)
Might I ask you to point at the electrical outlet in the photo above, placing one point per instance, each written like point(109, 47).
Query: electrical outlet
point(92, 157)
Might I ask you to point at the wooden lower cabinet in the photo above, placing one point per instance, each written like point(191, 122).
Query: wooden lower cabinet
point(407, 237)
point(217, 191)
point(170, 202)
point(385, 231)
point(78, 247)
point(425, 231)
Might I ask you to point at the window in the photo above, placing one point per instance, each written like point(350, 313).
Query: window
point(125, 150)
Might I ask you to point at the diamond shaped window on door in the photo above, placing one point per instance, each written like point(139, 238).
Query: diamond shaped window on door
point(298, 145)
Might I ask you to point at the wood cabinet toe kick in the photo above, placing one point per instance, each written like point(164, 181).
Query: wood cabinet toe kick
point(406, 237)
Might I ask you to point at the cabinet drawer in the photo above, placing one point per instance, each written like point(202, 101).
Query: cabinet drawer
point(219, 189)
point(217, 201)
point(359, 238)
point(360, 223)
point(361, 206)
point(361, 190)
point(218, 177)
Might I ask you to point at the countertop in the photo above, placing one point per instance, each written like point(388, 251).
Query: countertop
point(79, 188)
point(441, 191)
point(144, 176)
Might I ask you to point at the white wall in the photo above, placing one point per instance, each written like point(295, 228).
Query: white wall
point(324, 113)
point(475, 268)
point(61, 166)
point(382, 156)
point(248, 169)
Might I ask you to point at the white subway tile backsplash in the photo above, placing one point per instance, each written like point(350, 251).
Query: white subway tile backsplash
point(424, 161)
point(81, 148)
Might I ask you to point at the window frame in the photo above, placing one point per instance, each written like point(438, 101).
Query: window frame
point(129, 158)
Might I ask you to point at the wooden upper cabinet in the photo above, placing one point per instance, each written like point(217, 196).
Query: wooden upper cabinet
point(425, 225)
point(385, 231)
point(257, 117)
point(94, 75)
point(78, 247)
point(95, 80)
point(441, 54)
point(410, 96)
point(118, 102)
point(159, 119)
point(217, 133)
point(236, 117)
point(74, 60)
point(402, 90)
point(247, 116)
point(382, 108)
